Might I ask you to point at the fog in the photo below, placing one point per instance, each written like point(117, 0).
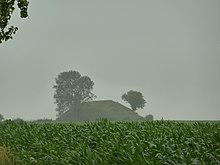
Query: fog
point(168, 50)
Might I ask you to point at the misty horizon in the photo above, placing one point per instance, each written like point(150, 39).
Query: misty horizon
point(167, 50)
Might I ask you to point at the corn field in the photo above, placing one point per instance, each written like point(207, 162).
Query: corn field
point(112, 143)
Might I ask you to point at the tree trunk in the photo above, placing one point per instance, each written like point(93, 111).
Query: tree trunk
point(76, 109)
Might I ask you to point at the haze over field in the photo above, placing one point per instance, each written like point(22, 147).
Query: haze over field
point(168, 50)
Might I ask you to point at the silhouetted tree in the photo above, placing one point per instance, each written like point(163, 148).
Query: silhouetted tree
point(135, 99)
point(6, 9)
point(1, 117)
point(71, 90)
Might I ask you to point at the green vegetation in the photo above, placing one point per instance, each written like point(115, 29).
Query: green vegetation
point(6, 9)
point(71, 90)
point(91, 111)
point(135, 99)
point(113, 143)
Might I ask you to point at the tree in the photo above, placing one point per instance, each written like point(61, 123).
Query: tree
point(1, 117)
point(71, 90)
point(135, 99)
point(6, 9)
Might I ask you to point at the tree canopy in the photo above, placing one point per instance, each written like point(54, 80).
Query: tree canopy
point(71, 90)
point(135, 99)
point(6, 9)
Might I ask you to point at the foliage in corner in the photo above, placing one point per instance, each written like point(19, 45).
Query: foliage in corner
point(6, 9)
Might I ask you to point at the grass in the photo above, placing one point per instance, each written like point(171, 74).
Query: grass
point(91, 111)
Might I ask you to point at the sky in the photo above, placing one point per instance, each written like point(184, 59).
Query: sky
point(167, 50)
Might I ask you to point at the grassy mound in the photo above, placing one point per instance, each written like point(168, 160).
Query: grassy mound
point(95, 110)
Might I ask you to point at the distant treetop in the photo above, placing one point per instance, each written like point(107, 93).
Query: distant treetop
point(135, 99)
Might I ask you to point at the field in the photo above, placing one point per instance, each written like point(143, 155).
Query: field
point(112, 143)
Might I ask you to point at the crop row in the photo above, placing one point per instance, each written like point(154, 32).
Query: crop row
point(107, 143)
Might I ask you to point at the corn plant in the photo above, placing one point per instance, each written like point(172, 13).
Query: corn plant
point(108, 143)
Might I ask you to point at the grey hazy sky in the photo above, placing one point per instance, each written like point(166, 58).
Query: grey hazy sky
point(168, 50)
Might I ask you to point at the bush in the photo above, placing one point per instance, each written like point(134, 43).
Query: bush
point(149, 117)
